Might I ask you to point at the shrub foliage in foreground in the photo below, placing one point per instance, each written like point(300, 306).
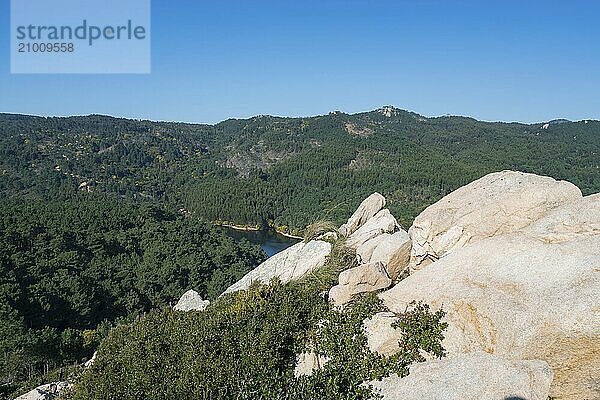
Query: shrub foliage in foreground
point(244, 346)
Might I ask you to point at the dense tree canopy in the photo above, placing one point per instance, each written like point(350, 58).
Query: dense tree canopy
point(286, 172)
point(68, 267)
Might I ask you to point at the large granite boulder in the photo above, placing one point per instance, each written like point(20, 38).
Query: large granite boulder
point(471, 376)
point(393, 250)
point(293, 263)
point(368, 208)
point(380, 223)
point(191, 301)
point(570, 222)
point(362, 279)
point(498, 203)
point(365, 250)
point(532, 294)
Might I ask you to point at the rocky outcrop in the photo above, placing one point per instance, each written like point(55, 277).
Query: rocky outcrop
point(380, 251)
point(531, 293)
point(382, 222)
point(191, 301)
point(361, 279)
point(293, 263)
point(388, 111)
point(469, 377)
point(367, 209)
point(514, 261)
point(393, 250)
point(498, 203)
point(357, 130)
point(50, 391)
point(307, 363)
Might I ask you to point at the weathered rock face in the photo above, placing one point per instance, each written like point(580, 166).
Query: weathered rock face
point(524, 295)
point(307, 363)
point(393, 250)
point(361, 279)
point(498, 203)
point(470, 377)
point(191, 300)
point(381, 337)
point(365, 250)
point(578, 219)
point(382, 222)
point(293, 263)
point(368, 208)
point(48, 391)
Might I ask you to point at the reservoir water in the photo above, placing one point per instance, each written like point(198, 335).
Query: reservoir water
point(271, 242)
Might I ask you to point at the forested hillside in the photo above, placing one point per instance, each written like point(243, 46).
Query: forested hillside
point(71, 269)
point(285, 172)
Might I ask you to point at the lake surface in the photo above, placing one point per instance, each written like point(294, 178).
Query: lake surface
point(271, 242)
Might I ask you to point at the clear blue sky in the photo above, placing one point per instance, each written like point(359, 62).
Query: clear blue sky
point(522, 60)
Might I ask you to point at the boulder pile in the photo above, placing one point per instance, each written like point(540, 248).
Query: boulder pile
point(514, 260)
point(382, 248)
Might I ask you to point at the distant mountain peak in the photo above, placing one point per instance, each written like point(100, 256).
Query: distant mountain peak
point(388, 111)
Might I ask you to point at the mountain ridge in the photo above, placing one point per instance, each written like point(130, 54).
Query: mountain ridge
point(556, 120)
point(266, 170)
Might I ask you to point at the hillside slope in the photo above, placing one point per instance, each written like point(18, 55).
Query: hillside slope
point(286, 172)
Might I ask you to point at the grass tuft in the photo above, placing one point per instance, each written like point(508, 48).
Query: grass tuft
point(317, 229)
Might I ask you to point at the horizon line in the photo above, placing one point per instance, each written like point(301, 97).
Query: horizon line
point(131, 118)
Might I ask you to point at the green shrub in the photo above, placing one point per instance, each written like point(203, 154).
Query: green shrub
point(340, 259)
point(244, 346)
point(425, 328)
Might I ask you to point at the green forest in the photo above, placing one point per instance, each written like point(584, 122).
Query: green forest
point(71, 270)
point(105, 222)
point(285, 172)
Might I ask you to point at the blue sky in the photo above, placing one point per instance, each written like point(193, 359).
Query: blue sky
point(525, 61)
